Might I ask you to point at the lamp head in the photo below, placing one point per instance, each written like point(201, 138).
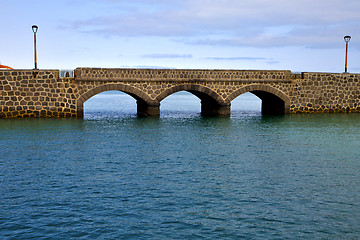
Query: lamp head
point(34, 28)
point(347, 39)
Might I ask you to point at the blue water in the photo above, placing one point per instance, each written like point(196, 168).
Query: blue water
point(112, 175)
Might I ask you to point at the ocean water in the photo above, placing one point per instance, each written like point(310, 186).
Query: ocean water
point(112, 175)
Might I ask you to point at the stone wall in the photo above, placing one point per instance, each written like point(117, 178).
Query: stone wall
point(29, 93)
point(325, 93)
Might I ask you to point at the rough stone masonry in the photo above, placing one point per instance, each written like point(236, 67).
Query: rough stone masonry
point(43, 93)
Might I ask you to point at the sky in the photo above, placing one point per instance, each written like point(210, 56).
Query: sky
point(296, 35)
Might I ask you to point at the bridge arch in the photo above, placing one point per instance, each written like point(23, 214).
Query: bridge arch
point(273, 100)
point(211, 102)
point(145, 105)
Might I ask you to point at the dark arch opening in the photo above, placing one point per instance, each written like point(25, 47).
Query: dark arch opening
point(273, 101)
point(270, 103)
point(209, 106)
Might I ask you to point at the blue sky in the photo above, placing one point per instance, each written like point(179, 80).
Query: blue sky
point(299, 35)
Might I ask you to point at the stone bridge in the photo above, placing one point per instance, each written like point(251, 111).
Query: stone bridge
point(43, 93)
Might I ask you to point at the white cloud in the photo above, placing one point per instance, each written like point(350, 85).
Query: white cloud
point(285, 30)
point(259, 23)
point(167, 55)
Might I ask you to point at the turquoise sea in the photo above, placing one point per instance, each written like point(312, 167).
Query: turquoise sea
point(113, 175)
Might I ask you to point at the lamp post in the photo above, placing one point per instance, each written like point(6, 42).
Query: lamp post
point(35, 29)
point(347, 40)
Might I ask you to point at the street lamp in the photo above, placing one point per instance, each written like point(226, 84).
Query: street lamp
point(35, 29)
point(347, 40)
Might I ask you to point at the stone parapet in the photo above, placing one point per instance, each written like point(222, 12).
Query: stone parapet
point(180, 75)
